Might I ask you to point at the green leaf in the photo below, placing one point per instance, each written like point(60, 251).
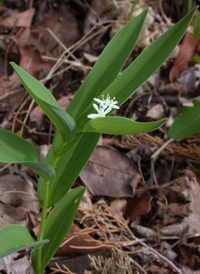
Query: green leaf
point(14, 149)
point(143, 66)
point(58, 224)
point(197, 59)
point(186, 123)
point(120, 126)
point(46, 171)
point(108, 65)
point(76, 158)
point(136, 74)
point(63, 121)
point(196, 33)
point(14, 238)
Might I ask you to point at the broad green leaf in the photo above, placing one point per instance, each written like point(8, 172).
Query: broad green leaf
point(187, 122)
point(197, 59)
point(14, 238)
point(80, 154)
point(14, 149)
point(143, 66)
point(63, 121)
point(120, 126)
point(58, 223)
point(108, 65)
point(196, 33)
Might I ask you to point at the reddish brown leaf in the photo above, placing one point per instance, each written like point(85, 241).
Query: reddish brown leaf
point(63, 24)
point(185, 55)
point(138, 206)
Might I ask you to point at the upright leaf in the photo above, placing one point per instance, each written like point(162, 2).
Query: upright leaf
point(58, 223)
point(14, 238)
point(143, 66)
point(108, 65)
point(63, 121)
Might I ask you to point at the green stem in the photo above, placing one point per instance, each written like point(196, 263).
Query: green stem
point(188, 6)
point(44, 213)
point(132, 8)
point(42, 226)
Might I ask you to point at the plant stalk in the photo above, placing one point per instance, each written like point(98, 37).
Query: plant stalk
point(44, 213)
point(42, 226)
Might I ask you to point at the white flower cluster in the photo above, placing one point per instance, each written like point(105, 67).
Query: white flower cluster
point(106, 105)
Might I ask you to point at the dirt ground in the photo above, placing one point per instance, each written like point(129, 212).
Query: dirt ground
point(145, 219)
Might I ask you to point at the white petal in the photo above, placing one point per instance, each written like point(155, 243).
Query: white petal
point(107, 110)
point(113, 106)
point(96, 107)
point(99, 101)
point(93, 116)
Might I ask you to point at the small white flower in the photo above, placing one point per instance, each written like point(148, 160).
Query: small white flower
point(101, 112)
point(107, 102)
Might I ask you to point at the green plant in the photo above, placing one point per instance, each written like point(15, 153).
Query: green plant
point(186, 123)
point(77, 134)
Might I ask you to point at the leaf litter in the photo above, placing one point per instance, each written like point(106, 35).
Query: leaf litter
point(132, 224)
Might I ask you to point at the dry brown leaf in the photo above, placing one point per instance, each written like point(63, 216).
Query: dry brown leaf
point(119, 205)
point(63, 24)
point(138, 206)
point(22, 19)
point(192, 194)
point(185, 55)
point(109, 173)
point(14, 264)
point(77, 243)
point(18, 200)
point(145, 232)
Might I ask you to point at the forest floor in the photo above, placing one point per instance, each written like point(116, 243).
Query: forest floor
point(144, 219)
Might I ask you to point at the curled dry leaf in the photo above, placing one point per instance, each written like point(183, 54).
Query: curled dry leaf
point(109, 173)
point(18, 200)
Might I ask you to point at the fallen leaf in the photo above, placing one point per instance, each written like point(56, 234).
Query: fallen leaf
point(77, 243)
point(156, 112)
point(21, 19)
point(187, 52)
point(109, 173)
point(63, 24)
point(145, 232)
point(192, 194)
point(13, 264)
point(18, 201)
point(138, 206)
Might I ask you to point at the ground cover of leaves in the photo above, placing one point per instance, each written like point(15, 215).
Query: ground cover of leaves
point(141, 211)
